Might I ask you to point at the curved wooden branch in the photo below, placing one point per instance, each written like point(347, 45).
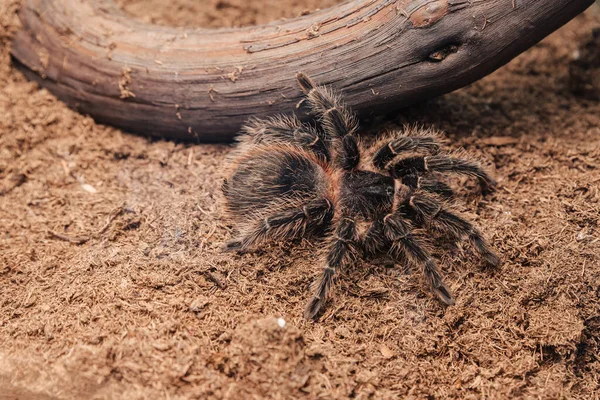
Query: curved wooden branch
point(200, 83)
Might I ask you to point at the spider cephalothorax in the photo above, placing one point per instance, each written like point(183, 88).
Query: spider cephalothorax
point(291, 180)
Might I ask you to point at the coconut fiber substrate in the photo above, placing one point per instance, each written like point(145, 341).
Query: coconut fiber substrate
point(113, 283)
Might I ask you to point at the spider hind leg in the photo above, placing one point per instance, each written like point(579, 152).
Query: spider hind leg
point(341, 253)
point(337, 120)
point(285, 129)
point(286, 223)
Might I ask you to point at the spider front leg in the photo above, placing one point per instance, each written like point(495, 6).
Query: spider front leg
point(428, 184)
point(404, 244)
point(425, 141)
point(342, 252)
point(441, 163)
point(284, 224)
point(430, 212)
point(285, 129)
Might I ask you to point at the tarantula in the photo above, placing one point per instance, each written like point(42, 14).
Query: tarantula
point(290, 180)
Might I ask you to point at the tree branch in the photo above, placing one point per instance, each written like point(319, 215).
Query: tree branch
point(203, 84)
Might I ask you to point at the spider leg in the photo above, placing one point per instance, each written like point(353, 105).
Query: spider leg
point(428, 184)
point(286, 223)
point(432, 213)
point(341, 252)
point(285, 129)
point(441, 163)
point(403, 144)
point(404, 243)
point(349, 154)
point(375, 242)
point(337, 120)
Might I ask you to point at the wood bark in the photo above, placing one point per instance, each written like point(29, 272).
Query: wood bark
point(203, 84)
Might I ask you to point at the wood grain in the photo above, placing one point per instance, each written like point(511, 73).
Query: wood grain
point(203, 84)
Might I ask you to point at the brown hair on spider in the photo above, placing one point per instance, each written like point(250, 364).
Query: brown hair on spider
point(292, 180)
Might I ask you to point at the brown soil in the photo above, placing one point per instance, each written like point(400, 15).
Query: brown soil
point(141, 302)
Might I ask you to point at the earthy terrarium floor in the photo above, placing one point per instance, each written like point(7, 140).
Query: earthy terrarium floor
point(149, 307)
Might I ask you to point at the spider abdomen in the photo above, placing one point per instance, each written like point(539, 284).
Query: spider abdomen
point(274, 174)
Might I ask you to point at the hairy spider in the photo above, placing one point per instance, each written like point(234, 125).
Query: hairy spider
point(290, 180)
